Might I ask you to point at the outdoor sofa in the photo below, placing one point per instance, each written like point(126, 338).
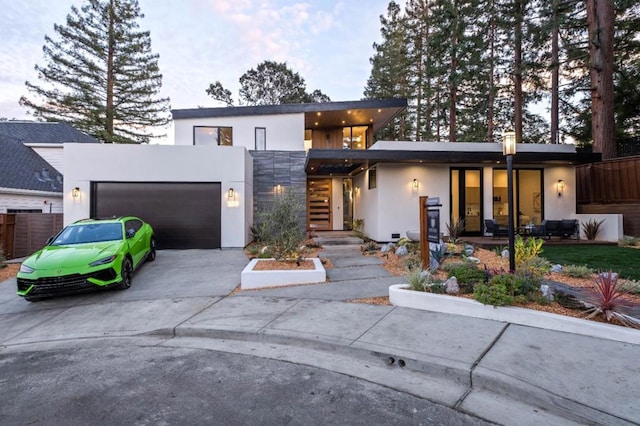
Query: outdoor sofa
point(565, 228)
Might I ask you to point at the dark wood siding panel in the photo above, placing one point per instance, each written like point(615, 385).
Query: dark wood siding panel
point(613, 181)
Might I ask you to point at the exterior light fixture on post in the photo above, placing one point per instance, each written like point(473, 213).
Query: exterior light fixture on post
point(509, 150)
point(560, 187)
point(231, 194)
point(75, 192)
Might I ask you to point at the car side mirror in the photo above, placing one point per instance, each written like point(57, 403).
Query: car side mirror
point(50, 240)
point(130, 233)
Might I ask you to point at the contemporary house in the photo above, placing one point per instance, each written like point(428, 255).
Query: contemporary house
point(227, 163)
point(31, 166)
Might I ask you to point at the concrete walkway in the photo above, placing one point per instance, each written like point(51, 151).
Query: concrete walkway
point(496, 371)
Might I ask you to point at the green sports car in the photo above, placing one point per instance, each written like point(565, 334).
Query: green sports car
point(87, 255)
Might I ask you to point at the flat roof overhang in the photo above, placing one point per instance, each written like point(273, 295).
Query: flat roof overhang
point(351, 162)
point(376, 113)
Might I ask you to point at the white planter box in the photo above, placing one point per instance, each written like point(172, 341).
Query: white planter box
point(400, 295)
point(251, 279)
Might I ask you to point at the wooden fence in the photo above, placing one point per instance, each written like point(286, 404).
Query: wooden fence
point(23, 233)
point(611, 186)
point(611, 181)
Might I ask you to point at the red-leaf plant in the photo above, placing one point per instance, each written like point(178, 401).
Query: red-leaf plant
point(606, 298)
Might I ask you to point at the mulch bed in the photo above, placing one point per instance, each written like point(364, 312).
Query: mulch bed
point(283, 265)
point(9, 271)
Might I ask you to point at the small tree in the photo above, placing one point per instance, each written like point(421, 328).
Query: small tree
point(281, 226)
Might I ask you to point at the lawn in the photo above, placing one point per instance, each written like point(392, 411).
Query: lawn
point(624, 260)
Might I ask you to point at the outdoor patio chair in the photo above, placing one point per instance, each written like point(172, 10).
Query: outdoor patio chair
point(494, 229)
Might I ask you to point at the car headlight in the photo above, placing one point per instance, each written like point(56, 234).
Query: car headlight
point(26, 269)
point(103, 261)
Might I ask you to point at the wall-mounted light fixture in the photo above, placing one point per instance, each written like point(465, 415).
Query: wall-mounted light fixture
point(278, 189)
point(231, 194)
point(75, 192)
point(560, 187)
point(356, 189)
point(416, 184)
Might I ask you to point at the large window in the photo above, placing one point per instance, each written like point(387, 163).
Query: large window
point(529, 203)
point(354, 137)
point(204, 135)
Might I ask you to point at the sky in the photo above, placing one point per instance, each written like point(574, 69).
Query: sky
point(328, 42)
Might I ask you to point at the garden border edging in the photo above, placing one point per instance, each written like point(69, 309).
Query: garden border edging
point(250, 279)
point(401, 295)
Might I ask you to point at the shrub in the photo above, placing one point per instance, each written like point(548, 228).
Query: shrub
point(417, 279)
point(591, 228)
point(455, 230)
point(631, 286)
point(412, 261)
point(370, 247)
point(496, 295)
point(629, 241)
point(358, 224)
point(577, 271)
point(536, 266)
point(439, 254)
point(2, 258)
point(606, 298)
point(467, 274)
point(526, 249)
point(280, 226)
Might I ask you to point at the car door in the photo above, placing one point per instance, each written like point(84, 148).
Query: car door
point(135, 239)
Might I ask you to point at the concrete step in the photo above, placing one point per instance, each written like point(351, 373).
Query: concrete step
point(337, 241)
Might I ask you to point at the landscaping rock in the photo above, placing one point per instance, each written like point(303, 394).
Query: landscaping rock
point(402, 251)
point(605, 275)
point(468, 250)
point(473, 259)
point(505, 253)
point(556, 268)
point(546, 291)
point(386, 248)
point(426, 274)
point(451, 286)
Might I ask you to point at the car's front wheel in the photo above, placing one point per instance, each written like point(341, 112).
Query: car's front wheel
point(127, 273)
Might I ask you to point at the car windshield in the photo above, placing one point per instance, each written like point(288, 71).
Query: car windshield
point(89, 233)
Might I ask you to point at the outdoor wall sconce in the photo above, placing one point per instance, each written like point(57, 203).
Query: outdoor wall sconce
point(231, 195)
point(75, 192)
point(560, 187)
point(278, 189)
point(356, 189)
point(416, 184)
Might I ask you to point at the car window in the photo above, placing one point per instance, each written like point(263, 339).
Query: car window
point(134, 224)
point(88, 233)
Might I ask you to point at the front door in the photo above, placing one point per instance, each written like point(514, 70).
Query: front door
point(466, 199)
point(319, 205)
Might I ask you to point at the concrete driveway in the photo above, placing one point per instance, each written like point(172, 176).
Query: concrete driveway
point(177, 285)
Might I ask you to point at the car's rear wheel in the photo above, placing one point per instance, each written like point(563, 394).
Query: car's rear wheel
point(127, 273)
point(152, 250)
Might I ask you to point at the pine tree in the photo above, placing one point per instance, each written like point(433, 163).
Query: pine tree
point(101, 75)
point(389, 76)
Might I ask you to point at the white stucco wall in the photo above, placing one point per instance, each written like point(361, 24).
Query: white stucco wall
point(231, 166)
point(31, 200)
point(51, 153)
point(284, 131)
point(393, 207)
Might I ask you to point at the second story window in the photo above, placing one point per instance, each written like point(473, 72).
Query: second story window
point(205, 135)
point(261, 138)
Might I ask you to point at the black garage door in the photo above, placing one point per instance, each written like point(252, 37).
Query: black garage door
point(183, 215)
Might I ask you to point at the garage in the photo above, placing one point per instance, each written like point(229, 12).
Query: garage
point(184, 215)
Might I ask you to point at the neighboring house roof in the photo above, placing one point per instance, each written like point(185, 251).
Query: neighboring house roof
point(327, 114)
point(32, 132)
point(22, 168)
